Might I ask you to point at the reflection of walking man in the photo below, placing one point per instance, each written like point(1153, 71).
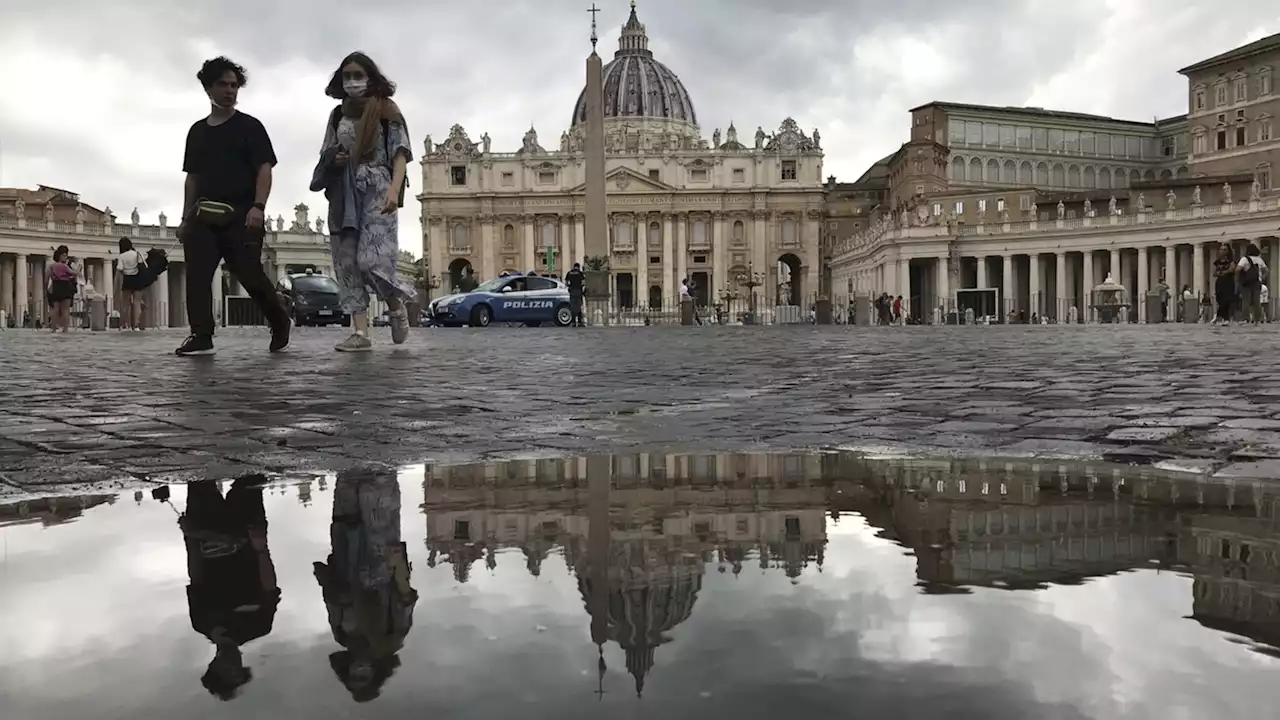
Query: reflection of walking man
point(576, 282)
point(233, 594)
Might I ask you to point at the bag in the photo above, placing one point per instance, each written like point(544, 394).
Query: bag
point(335, 119)
point(214, 214)
point(1249, 277)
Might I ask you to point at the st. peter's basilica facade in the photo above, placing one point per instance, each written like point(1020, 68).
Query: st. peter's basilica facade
point(678, 206)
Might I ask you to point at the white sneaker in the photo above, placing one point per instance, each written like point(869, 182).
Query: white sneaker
point(355, 343)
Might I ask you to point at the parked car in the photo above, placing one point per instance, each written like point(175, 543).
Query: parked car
point(525, 299)
point(312, 299)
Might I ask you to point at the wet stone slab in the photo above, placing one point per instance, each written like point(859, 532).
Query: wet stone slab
point(962, 390)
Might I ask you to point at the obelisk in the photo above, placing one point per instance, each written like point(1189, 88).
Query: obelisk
point(596, 242)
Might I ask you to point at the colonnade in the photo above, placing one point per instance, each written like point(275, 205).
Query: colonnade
point(24, 302)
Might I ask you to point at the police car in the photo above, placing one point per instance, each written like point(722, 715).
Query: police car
point(526, 299)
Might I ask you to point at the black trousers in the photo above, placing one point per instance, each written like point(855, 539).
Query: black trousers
point(1224, 290)
point(205, 249)
point(575, 306)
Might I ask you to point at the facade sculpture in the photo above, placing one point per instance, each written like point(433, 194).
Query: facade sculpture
point(48, 211)
point(1142, 202)
point(1195, 197)
point(1171, 198)
point(1226, 193)
point(1112, 209)
point(678, 206)
point(1088, 208)
point(486, 142)
point(1062, 210)
point(1255, 190)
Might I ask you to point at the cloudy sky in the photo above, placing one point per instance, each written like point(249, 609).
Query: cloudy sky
point(107, 90)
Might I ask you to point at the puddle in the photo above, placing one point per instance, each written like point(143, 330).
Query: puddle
point(650, 586)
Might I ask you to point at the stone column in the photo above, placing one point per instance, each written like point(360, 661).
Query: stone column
point(1144, 280)
point(179, 272)
point(1171, 279)
point(811, 239)
point(682, 252)
point(597, 239)
point(641, 285)
point(6, 285)
point(163, 315)
point(1086, 309)
point(564, 255)
point(1008, 290)
point(982, 281)
point(580, 239)
point(1035, 287)
point(39, 308)
point(1061, 291)
point(719, 256)
point(760, 245)
point(904, 284)
point(488, 244)
point(527, 256)
point(22, 302)
point(1197, 270)
point(1115, 266)
point(109, 283)
point(668, 257)
point(219, 306)
point(943, 283)
point(1273, 286)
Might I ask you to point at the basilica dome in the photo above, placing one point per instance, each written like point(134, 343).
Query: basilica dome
point(636, 85)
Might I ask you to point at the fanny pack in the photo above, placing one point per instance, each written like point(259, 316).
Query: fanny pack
point(214, 214)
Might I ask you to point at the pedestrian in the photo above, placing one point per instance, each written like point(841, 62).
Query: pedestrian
point(362, 167)
point(1254, 274)
point(1224, 284)
point(130, 266)
point(60, 288)
point(228, 162)
point(897, 310)
point(576, 281)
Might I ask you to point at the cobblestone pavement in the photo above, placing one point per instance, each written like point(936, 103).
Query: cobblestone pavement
point(120, 408)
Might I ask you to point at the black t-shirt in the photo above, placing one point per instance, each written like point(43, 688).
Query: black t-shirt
point(225, 159)
point(573, 279)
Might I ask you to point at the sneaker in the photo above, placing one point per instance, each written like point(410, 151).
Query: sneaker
point(355, 343)
point(280, 337)
point(196, 345)
point(399, 326)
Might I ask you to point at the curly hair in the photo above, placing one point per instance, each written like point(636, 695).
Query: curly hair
point(214, 69)
point(379, 85)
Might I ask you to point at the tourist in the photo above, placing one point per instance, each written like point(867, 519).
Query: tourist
point(897, 311)
point(365, 582)
point(228, 162)
point(60, 288)
point(233, 594)
point(362, 173)
point(1253, 273)
point(576, 281)
point(1224, 284)
point(130, 266)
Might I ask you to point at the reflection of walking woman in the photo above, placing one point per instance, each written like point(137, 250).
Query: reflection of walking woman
point(60, 285)
point(365, 582)
point(362, 171)
point(130, 265)
point(1224, 284)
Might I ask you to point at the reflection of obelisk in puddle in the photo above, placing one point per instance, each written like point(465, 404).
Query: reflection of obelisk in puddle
point(599, 470)
point(596, 242)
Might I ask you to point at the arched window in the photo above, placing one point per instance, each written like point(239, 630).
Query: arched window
point(622, 234)
point(1073, 176)
point(1122, 178)
point(699, 236)
point(460, 239)
point(788, 231)
point(1104, 178)
point(1010, 174)
point(548, 238)
point(739, 233)
point(1042, 174)
point(1090, 178)
point(655, 235)
point(993, 171)
point(1059, 176)
point(509, 236)
point(1024, 174)
point(975, 170)
point(957, 169)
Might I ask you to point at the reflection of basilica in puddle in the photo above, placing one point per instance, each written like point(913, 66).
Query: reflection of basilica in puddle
point(640, 544)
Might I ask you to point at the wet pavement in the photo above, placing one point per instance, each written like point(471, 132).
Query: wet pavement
point(650, 586)
point(99, 411)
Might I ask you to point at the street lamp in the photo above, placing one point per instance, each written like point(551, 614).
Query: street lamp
point(750, 280)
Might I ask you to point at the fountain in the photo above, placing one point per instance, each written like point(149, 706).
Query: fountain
point(1110, 302)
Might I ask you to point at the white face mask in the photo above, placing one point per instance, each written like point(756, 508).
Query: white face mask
point(355, 88)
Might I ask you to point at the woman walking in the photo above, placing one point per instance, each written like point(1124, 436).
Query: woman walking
point(132, 281)
point(60, 287)
point(362, 171)
point(1224, 284)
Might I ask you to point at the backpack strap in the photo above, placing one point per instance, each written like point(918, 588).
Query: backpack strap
point(335, 117)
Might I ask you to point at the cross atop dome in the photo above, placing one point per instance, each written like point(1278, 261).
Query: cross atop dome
point(633, 40)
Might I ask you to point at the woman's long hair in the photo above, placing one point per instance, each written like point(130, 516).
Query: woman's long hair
point(379, 85)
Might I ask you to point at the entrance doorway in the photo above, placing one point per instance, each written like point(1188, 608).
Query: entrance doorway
point(655, 297)
point(701, 288)
point(624, 288)
point(789, 291)
point(461, 274)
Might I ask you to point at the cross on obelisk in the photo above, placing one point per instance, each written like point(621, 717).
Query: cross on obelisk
point(593, 10)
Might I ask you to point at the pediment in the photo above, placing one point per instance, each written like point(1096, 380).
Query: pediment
point(624, 179)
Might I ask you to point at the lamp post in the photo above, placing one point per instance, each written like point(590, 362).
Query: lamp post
point(750, 280)
point(727, 296)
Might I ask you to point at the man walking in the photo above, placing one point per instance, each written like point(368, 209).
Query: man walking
point(228, 162)
point(576, 281)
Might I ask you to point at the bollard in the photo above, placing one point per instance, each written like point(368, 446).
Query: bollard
point(1190, 310)
point(98, 313)
point(686, 311)
point(822, 311)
